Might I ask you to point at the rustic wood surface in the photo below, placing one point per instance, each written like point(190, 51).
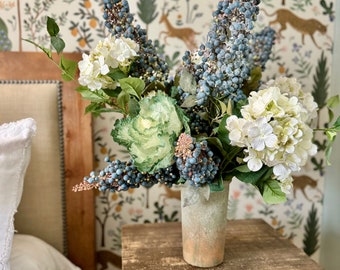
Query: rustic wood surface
point(78, 149)
point(250, 244)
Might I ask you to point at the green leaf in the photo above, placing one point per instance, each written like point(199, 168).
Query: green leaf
point(154, 86)
point(243, 168)
point(215, 142)
point(328, 153)
point(331, 135)
point(91, 108)
point(57, 43)
point(336, 124)
point(52, 27)
point(272, 193)
point(117, 74)
point(133, 107)
point(253, 83)
point(223, 133)
point(112, 92)
point(217, 186)
point(330, 115)
point(132, 86)
point(184, 119)
point(189, 102)
point(223, 107)
point(123, 100)
point(187, 82)
point(69, 68)
point(87, 94)
point(254, 177)
point(333, 102)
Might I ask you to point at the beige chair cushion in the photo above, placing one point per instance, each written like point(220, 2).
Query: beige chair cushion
point(41, 211)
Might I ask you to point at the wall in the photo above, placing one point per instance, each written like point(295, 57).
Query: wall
point(300, 219)
point(330, 233)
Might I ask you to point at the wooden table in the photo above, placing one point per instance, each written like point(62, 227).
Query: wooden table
point(250, 244)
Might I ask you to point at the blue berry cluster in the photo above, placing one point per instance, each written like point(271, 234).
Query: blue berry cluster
point(226, 59)
point(262, 46)
point(196, 163)
point(120, 22)
point(197, 124)
point(120, 176)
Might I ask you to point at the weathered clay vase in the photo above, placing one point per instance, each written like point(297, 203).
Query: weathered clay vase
point(204, 220)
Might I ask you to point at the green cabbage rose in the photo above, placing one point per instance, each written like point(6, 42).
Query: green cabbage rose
point(150, 135)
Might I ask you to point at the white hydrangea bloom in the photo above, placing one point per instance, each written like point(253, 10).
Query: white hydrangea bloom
point(281, 171)
point(274, 132)
point(259, 102)
point(93, 73)
point(261, 136)
point(235, 127)
point(117, 51)
point(128, 49)
point(287, 185)
point(110, 53)
point(122, 52)
point(254, 159)
point(293, 88)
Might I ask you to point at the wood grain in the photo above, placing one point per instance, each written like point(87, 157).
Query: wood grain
point(250, 244)
point(78, 149)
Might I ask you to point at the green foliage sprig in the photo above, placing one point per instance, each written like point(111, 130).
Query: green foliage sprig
point(67, 67)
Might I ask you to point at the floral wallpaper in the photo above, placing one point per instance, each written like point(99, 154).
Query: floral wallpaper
point(303, 49)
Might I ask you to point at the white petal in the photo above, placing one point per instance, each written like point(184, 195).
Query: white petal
point(271, 140)
point(254, 164)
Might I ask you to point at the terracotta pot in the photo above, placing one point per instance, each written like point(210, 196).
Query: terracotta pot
point(204, 220)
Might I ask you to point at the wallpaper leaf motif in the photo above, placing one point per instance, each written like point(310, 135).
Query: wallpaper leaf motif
point(321, 82)
point(34, 23)
point(328, 9)
point(320, 93)
point(301, 4)
point(304, 68)
point(147, 11)
point(83, 27)
point(5, 43)
point(312, 232)
point(192, 12)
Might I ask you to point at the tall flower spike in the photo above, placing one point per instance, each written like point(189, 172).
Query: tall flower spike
point(225, 64)
point(120, 22)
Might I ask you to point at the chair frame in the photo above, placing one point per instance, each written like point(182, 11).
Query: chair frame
point(80, 209)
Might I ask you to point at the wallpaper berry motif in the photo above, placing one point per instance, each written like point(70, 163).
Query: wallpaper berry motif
point(303, 49)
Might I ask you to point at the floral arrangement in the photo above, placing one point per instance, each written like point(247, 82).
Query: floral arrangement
point(212, 121)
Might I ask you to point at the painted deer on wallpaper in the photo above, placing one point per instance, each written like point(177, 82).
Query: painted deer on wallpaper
point(186, 34)
point(304, 26)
